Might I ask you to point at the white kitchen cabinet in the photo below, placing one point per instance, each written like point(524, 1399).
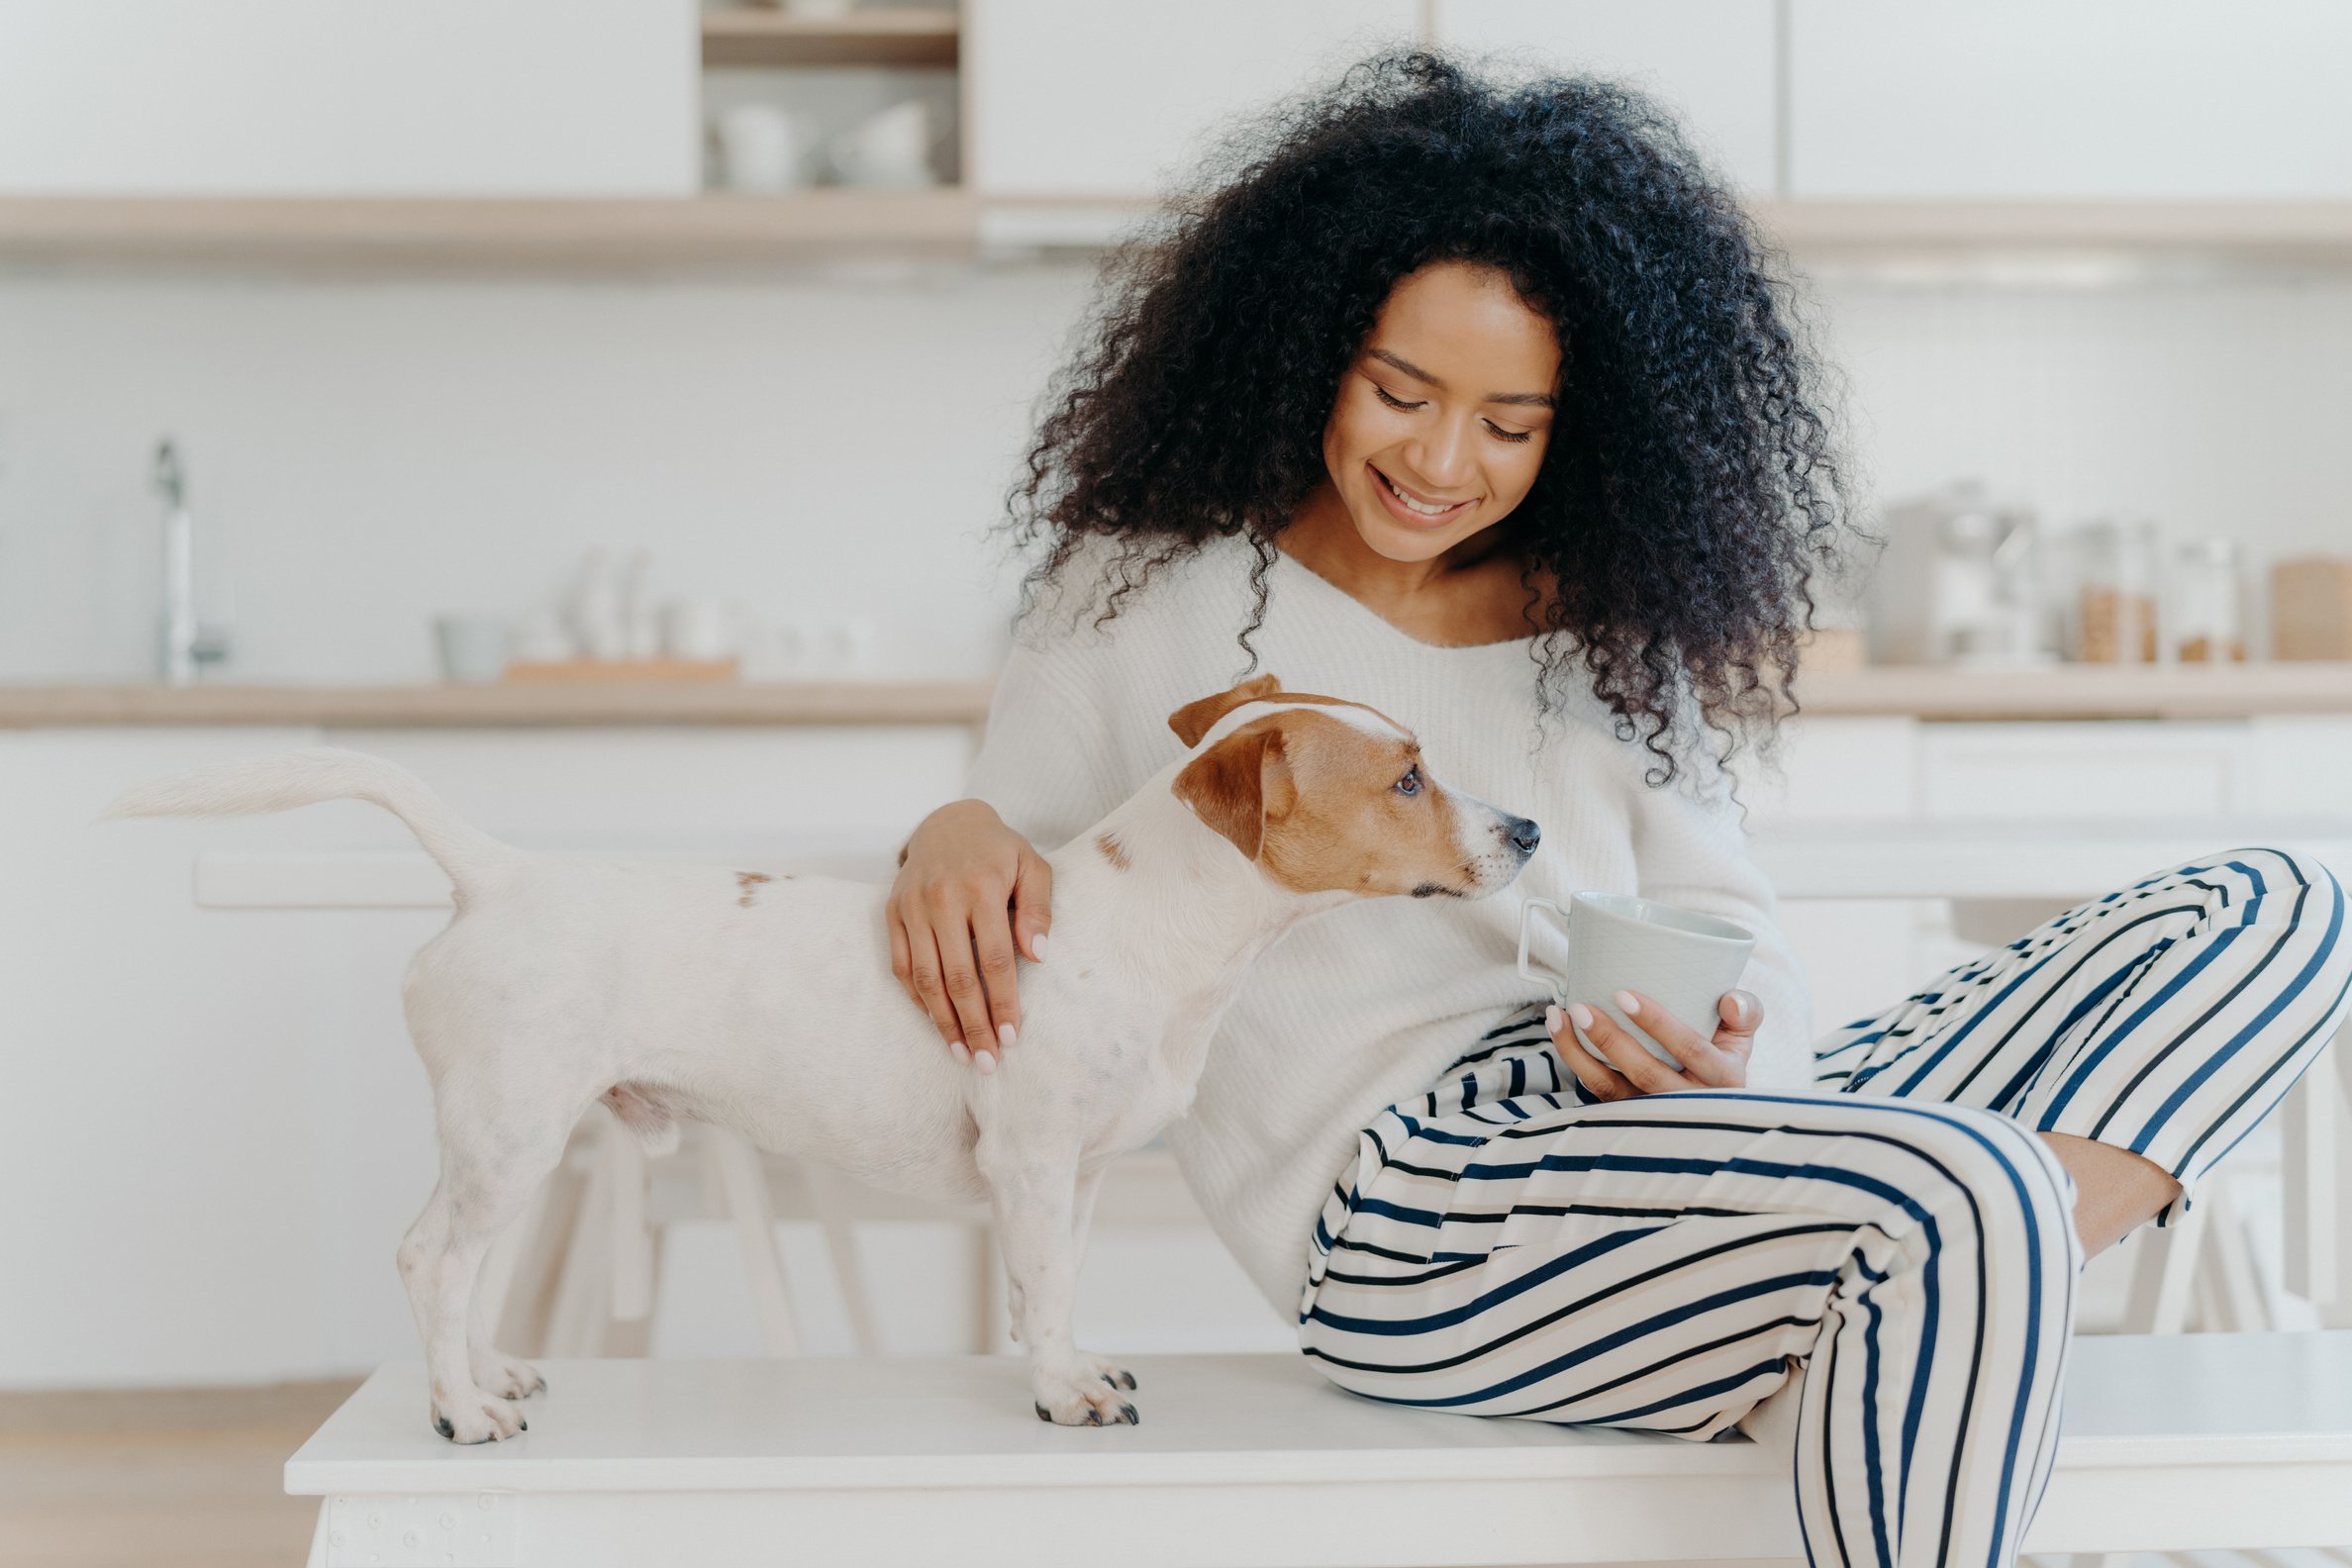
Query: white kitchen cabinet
point(2101, 771)
point(1114, 101)
point(2115, 99)
point(1709, 61)
point(354, 97)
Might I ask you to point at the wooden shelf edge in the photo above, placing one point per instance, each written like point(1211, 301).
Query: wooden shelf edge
point(502, 706)
point(552, 234)
point(898, 36)
point(556, 234)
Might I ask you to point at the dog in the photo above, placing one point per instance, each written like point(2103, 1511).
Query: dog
point(765, 1003)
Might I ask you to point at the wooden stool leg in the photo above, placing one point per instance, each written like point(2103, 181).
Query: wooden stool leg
point(734, 1164)
point(632, 1237)
point(827, 1195)
point(575, 1325)
point(2316, 1119)
point(2162, 1273)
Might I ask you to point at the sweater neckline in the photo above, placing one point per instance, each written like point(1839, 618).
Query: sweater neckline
point(1318, 583)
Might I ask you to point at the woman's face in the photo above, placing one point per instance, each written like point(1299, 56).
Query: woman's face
point(1442, 423)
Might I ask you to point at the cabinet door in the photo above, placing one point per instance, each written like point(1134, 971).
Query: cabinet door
point(1709, 61)
point(2124, 99)
point(356, 97)
point(1114, 100)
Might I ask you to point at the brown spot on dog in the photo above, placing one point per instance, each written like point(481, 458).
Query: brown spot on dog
point(1113, 850)
point(749, 882)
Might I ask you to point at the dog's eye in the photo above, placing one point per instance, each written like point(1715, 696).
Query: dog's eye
point(1409, 784)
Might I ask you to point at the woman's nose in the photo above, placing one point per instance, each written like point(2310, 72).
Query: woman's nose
point(1441, 457)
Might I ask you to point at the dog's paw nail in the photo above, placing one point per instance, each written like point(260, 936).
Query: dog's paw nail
point(1128, 1413)
point(443, 1426)
point(1043, 1415)
point(1094, 1418)
point(526, 1426)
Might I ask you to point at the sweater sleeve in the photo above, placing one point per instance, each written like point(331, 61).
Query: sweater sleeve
point(1046, 761)
point(1691, 850)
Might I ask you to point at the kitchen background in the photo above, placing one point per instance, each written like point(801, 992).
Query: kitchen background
point(432, 301)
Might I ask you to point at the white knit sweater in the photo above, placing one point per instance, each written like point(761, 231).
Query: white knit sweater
point(1366, 1005)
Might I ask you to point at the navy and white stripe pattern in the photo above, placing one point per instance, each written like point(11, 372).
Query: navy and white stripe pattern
point(1504, 1246)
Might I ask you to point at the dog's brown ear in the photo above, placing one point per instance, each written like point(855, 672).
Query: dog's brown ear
point(1238, 783)
point(1196, 719)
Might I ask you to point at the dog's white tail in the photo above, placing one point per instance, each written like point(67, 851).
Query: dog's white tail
point(323, 773)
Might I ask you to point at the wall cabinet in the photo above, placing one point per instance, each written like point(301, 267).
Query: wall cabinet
point(1114, 101)
point(2115, 99)
point(355, 98)
point(1709, 61)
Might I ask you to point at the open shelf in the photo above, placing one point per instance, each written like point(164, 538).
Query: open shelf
point(896, 36)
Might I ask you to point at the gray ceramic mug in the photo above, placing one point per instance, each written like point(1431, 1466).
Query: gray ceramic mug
point(1619, 943)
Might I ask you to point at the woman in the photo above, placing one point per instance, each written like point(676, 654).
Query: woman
point(1475, 405)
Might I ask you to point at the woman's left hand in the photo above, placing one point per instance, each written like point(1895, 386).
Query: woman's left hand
point(1625, 1067)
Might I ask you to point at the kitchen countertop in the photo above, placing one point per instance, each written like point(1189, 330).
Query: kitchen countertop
point(2067, 691)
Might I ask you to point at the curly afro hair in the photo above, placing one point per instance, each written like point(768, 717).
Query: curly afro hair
point(1690, 490)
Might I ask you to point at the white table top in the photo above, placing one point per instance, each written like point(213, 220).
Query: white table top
point(836, 1424)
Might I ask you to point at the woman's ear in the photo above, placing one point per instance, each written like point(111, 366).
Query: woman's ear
point(1196, 719)
point(1237, 783)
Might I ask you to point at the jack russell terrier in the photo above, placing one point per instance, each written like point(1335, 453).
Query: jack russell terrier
point(766, 1003)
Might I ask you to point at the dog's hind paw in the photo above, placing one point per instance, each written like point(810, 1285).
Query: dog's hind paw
point(473, 1417)
point(505, 1376)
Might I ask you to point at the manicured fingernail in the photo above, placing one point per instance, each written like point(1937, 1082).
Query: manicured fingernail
point(955, 1049)
point(1551, 1017)
point(1628, 1002)
point(1004, 1036)
point(1581, 1015)
point(984, 1062)
point(1038, 947)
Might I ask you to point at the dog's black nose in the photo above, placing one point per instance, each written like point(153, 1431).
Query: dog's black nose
point(1523, 835)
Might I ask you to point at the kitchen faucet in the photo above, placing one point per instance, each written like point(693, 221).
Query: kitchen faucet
point(187, 645)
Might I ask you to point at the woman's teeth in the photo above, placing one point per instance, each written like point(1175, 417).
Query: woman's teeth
point(1413, 505)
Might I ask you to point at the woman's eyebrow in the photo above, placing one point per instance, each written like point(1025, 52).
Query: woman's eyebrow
point(1533, 398)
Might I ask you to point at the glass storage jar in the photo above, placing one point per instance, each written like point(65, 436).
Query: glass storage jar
point(2205, 617)
point(2114, 621)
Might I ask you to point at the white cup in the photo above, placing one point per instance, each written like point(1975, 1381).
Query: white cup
point(473, 649)
point(1619, 943)
point(889, 149)
point(700, 628)
point(760, 148)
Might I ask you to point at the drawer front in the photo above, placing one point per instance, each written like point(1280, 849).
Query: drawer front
point(2102, 772)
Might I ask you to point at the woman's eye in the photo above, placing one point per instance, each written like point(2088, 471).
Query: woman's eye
point(1511, 436)
point(1409, 784)
point(1392, 402)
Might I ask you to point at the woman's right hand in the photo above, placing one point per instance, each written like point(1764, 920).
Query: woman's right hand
point(969, 889)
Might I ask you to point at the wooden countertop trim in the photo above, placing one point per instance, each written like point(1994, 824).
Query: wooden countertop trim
point(1918, 692)
point(501, 706)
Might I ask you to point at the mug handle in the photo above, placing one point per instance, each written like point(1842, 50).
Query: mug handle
point(1527, 968)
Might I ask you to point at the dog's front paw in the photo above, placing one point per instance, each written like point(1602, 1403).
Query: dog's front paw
point(505, 1376)
point(1085, 1392)
point(470, 1416)
point(1110, 1372)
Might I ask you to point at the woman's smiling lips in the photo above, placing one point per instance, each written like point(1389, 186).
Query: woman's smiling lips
point(1385, 488)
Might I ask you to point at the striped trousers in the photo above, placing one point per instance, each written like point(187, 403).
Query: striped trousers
point(1504, 1246)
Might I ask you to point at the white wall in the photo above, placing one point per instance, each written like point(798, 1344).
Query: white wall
point(365, 455)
